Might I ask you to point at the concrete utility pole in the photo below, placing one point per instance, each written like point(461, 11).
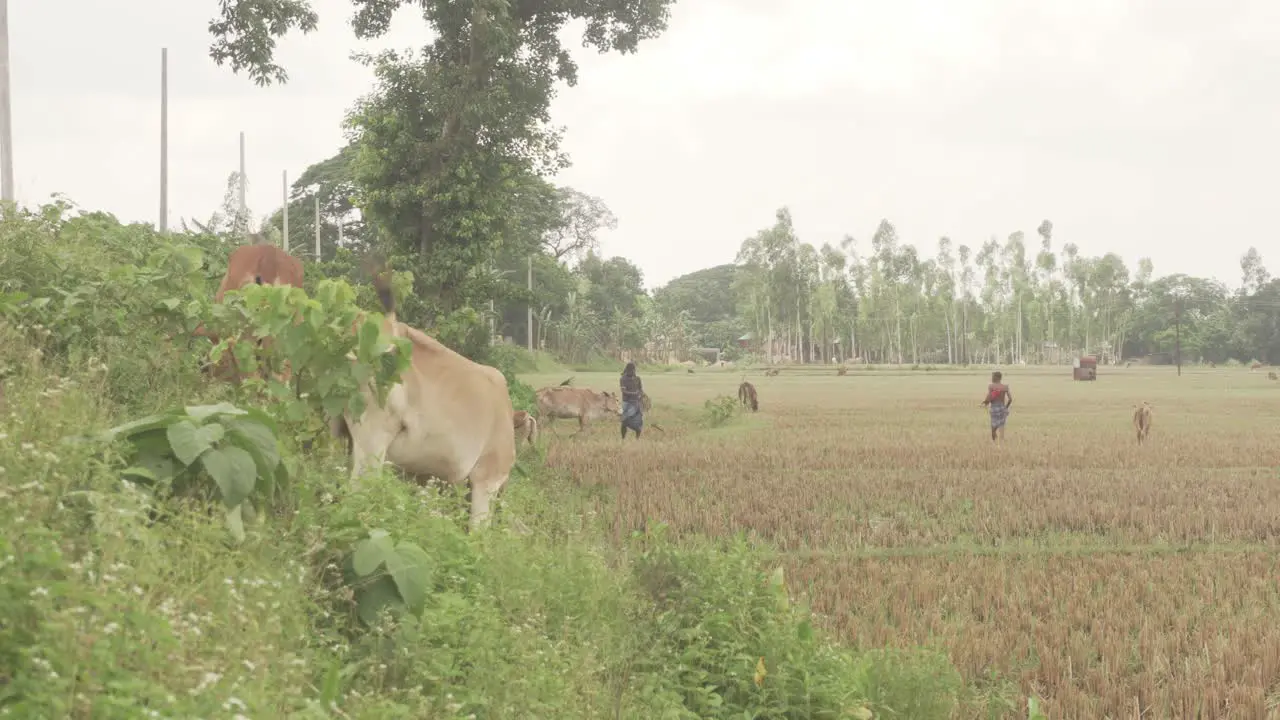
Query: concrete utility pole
point(164, 140)
point(7, 192)
point(244, 210)
point(529, 310)
point(317, 228)
point(284, 231)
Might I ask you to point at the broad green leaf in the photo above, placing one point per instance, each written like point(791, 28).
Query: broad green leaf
point(368, 334)
point(149, 422)
point(170, 303)
point(375, 596)
point(372, 552)
point(160, 465)
point(140, 472)
point(203, 412)
point(189, 440)
point(361, 372)
point(411, 568)
point(260, 437)
point(334, 405)
point(233, 470)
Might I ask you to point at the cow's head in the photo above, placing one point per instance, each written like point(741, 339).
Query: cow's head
point(611, 403)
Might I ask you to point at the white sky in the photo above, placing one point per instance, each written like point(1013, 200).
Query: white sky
point(1142, 127)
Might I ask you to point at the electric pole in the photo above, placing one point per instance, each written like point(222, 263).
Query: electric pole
point(244, 211)
point(7, 192)
point(284, 233)
point(164, 140)
point(529, 309)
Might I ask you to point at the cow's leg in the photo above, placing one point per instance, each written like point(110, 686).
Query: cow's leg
point(487, 478)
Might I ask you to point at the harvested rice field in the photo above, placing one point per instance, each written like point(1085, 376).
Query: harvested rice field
point(1106, 578)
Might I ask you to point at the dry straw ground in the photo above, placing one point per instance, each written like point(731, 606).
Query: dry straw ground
point(1109, 579)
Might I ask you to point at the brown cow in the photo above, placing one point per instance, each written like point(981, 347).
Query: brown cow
point(526, 425)
point(1255, 366)
point(772, 372)
point(1142, 421)
point(582, 403)
point(747, 395)
point(1272, 375)
point(256, 263)
point(842, 371)
point(446, 417)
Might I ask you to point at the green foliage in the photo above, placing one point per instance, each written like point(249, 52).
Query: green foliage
point(235, 449)
point(719, 410)
point(722, 619)
point(388, 576)
point(315, 336)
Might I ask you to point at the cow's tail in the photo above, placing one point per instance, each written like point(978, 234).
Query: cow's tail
point(339, 429)
point(533, 429)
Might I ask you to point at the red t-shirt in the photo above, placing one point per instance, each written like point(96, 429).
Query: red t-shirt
point(995, 393)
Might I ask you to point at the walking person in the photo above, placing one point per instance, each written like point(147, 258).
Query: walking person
point(632, 395)
point(998, 401)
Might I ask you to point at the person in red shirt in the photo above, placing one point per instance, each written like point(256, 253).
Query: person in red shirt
point(998, 401)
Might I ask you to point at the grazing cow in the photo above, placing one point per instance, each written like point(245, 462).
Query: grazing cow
point(772, 372)
point(446, 417)
point(1272, 375)
point(747, 396)
point(1255, 366)
point(842, 371)
point(690, 370)
point(560, 402)
point(257, 263)
point(1142, 421)
point(526, 425)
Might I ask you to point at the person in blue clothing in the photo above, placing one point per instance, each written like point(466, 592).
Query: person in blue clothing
point(632, 397)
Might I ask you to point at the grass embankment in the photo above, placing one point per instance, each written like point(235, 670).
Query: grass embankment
point(120, 602)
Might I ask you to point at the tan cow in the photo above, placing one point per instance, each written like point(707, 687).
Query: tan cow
point(582, 403)
point(1142, 417)
point(526, 425)
point(447, 417)
point(257, 263)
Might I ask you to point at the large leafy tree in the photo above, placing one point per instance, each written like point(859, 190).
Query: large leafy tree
point(452, 144)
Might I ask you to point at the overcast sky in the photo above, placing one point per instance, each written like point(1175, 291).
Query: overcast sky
point(1143, 127)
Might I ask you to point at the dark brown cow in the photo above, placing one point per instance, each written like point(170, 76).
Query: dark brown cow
point(257, 263)
point(772, 372)
point(747, 395)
